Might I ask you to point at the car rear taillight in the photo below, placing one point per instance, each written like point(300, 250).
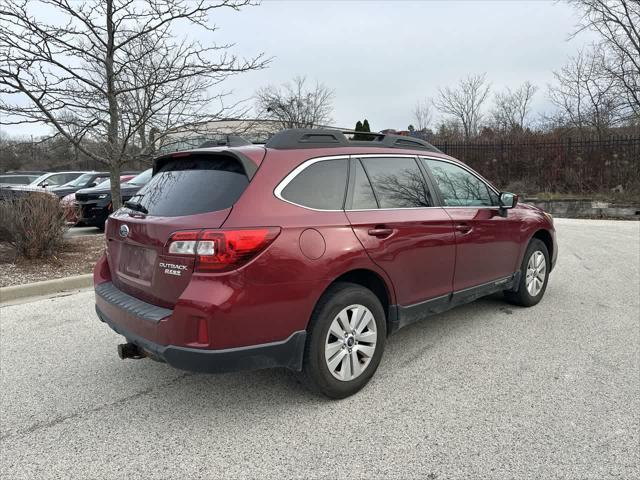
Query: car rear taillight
point(183, 243)
point(221, 250)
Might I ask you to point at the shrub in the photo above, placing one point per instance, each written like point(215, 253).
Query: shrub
point(33, 224)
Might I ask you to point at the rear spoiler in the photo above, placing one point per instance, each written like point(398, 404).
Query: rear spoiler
point(249, 165)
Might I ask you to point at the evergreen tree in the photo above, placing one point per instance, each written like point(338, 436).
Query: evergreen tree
point(359, 126)
point(365, 126)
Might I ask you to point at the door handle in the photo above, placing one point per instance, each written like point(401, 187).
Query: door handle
point(464, 228)
point(380, 232)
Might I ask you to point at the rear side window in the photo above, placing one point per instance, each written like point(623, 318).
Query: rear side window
point(321, 185)
point(192, 185)
point(397, 182)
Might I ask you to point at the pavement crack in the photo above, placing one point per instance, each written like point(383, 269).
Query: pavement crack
point(81, 413)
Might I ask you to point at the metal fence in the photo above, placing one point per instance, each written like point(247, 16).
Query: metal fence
point(564, 166)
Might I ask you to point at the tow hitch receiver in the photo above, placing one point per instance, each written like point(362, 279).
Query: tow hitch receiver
point(130, 350)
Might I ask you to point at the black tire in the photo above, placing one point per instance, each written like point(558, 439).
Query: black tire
point(522, 296)
point(315, 371)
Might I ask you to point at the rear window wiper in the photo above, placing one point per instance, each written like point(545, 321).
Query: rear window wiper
point(138, 207)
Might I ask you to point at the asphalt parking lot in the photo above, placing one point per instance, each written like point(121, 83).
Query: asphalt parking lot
point(484, 391)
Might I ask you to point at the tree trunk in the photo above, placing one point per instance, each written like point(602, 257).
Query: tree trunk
point(113, 152)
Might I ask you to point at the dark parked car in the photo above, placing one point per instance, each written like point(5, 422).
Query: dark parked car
point(95, 203)
point(71, 207)
point(308, 252)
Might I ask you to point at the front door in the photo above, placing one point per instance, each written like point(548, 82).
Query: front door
point(487, 244)
point(392, 213)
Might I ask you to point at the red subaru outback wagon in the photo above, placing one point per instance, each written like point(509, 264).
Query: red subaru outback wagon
point(307, 252)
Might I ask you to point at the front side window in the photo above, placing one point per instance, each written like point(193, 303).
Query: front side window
point(397, 182)
point(55, 180)
point(321, 185)
point(459, 187)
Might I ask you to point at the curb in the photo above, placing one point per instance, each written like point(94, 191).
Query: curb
point(46, 287)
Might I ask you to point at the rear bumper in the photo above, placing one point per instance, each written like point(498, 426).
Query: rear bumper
point(287, 353)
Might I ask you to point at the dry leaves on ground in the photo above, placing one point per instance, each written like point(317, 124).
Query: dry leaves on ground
point(78, 256)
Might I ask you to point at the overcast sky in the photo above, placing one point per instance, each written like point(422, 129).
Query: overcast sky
point(380, 57)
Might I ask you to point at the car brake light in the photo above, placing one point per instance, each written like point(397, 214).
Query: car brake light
point(221, 250)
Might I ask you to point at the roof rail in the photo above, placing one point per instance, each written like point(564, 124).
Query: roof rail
point(326, 138)
point(226, 141)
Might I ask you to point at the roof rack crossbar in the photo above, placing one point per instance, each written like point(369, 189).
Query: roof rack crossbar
point(226, 141)
point(297, 138)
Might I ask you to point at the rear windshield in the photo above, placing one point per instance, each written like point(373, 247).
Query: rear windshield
point(188, 186)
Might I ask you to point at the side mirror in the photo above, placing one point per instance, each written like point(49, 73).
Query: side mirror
point(91, 185)
point(44, 185)
point(508, 200)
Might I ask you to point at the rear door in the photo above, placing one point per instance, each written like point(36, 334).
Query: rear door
point(392, 212)
point(487, 244)
point(186, 193)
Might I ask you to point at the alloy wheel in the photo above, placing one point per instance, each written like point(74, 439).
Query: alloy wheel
point(351, 342)
point(536, 272)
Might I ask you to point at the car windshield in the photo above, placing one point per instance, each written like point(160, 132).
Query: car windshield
point(142, 178)
point(80, 181)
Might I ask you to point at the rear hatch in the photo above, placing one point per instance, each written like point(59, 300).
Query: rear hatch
point(189, 192)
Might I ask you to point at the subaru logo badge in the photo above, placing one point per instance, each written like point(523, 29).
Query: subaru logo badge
point(124, 230)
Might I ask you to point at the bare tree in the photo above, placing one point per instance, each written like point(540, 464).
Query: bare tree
point(293, 105)
point(464, 102)
point(423, 114)
point(116, 68)
point(618, 24)
point(449, 130)
point(585, 95)
point(513, 106)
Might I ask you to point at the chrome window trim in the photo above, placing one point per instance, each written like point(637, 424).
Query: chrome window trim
point(387, 209)
point(296, 171)
point(307, 163)
point(382, 155)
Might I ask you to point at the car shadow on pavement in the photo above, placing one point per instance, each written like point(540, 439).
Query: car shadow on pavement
point(243, 391)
